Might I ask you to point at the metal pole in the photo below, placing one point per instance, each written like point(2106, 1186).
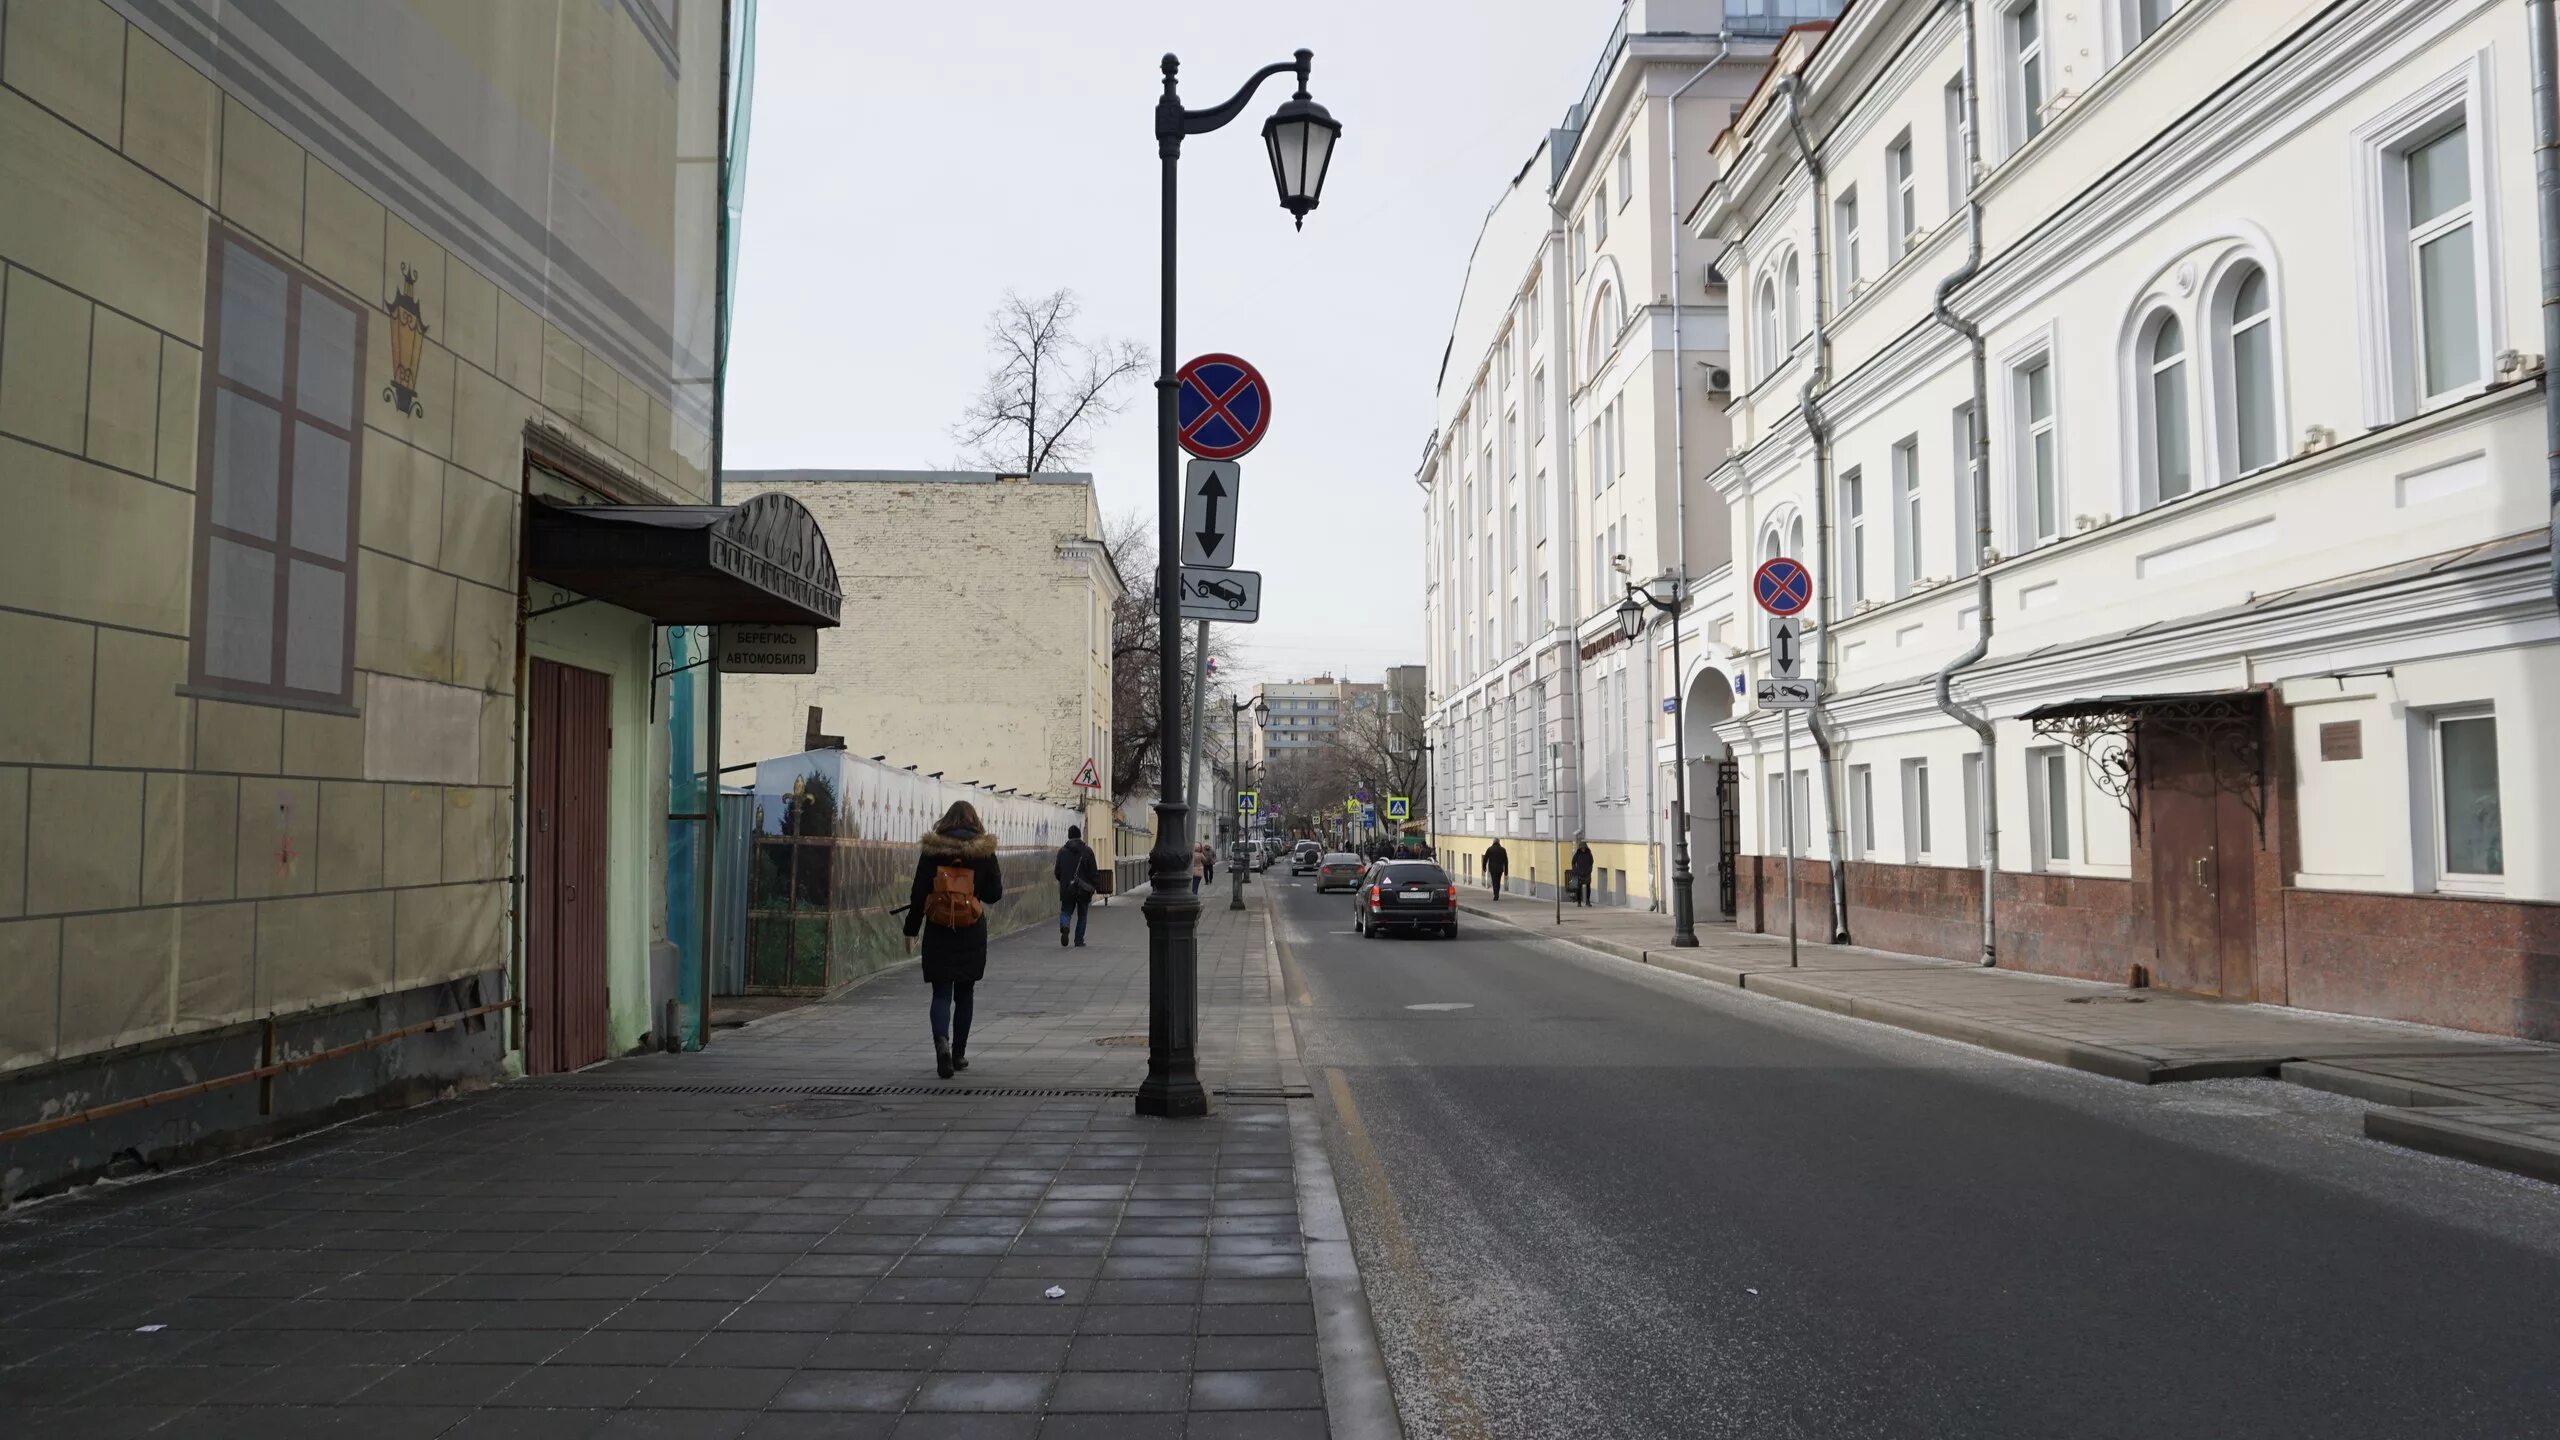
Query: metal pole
point(1172, 1086)
point(1199, 709)
point(1236, 858)
point(1684, 915)
point(711, 686)
point(1787, 803)
point(1555, 822)
point(2546, 186)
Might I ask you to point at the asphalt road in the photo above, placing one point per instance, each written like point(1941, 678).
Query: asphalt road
point(1605, 1201)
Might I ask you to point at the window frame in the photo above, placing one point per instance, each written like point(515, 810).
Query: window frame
point(1853, 540)
point(2021, 59)
point(2025, 427)
point(2049, 798)
point(1862, 812)
point(2448, 880)
point(1968, 554)
point(2147, 372)
point(1844, 226)
point(299, 281)
point(1959, 176)
point(1905, 472)
point(1915, 810)
point(2391, 359)
point(1902, 197)
point(1624, 169)
point(2222, 391)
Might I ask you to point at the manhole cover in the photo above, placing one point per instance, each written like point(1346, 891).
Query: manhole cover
point(1120, 1041)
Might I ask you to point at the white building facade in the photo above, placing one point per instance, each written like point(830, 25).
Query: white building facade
point(1580, 407)
point(2247, 621)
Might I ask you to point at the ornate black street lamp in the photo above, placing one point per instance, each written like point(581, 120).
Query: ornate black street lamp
point(1632, 619)
point(1299, 139)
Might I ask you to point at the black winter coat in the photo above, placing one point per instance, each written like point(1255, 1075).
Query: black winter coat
point(1581, 864)
point(1497, 861)
point(955, 954)
point(1076, 866)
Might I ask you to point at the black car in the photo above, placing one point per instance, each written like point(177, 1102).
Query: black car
point(1405, 895)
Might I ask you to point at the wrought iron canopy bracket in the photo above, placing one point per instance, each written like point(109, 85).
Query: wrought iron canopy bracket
point(2112, 766)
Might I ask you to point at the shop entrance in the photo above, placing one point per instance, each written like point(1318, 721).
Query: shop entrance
point(569, 737)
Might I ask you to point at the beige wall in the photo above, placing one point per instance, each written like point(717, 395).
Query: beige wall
point(976, 635)
point(170, 863)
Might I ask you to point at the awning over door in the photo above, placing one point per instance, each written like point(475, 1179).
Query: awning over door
point(763, 561)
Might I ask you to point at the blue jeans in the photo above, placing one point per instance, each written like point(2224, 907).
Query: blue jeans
point(1073, 911)
point(950, 1010)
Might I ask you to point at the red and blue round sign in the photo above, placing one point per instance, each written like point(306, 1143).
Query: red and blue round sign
point(1782, 586)
point(1221, 408)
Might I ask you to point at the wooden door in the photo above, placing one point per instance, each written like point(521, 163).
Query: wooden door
point(2203, 845)
point(569, 735)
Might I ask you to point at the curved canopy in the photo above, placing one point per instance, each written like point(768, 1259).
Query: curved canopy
point(761, 561)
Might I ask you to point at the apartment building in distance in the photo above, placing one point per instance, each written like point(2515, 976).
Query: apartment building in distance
point(360, 489)
point(1306, 714)
point(985, 646)
point(1580, 408)
point(2157, 392)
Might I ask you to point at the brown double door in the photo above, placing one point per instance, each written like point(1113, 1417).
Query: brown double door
point(569, 735)
point(2203, 857)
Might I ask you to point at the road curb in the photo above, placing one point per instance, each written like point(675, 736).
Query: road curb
point(2449, 1132)
point(1359, 1401)
point(2368, 1086)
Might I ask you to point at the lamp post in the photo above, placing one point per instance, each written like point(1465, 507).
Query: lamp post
point(1235, 747)
point(1632, 620)
point(1430, 798)
point(1299, 139)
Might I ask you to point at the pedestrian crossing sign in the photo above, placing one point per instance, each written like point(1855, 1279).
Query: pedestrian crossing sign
point(1350, 807)
point(1248, 801)
point(1399, 808)
point(1088, 778)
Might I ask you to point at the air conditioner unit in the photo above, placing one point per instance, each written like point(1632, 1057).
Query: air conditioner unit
point(1719, 380)
point(1712, 277)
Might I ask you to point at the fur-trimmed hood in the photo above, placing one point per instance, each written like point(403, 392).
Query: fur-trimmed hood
point(967, 845)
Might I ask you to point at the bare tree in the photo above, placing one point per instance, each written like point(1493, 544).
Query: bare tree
point(1136, 717)
point(1381, 739)
point(1048, 390)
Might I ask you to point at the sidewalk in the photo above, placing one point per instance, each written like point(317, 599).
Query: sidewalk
point(799, 1232)
point(2477, 1097)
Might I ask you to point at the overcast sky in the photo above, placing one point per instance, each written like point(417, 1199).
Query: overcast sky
point(909, 163)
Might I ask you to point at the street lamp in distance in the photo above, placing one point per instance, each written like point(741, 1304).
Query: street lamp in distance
point(1299, 140)
point(1631, 621)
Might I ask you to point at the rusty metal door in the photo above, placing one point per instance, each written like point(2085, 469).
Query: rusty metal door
point(569, 736)
point(2179, 801)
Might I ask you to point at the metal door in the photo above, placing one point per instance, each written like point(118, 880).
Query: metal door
point(2202, 837)
point(569, 736)
point(1728, 833)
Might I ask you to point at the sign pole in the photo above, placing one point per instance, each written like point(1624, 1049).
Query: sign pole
point(1787, 802)
point(1555, 819)
point(1199, 707)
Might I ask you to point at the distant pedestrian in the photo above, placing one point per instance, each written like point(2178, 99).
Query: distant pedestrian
point(1581, 872)
point(1200, 865)
point(1079, 879)
point(1497, 863)
point(957, 878)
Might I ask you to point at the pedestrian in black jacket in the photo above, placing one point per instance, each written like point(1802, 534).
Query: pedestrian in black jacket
point(1497, 863)
point(1079, 879)
point(957, 878)
point(1581, 872)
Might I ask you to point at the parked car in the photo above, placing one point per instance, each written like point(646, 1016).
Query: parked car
point(1305, 858)
point(1340, 870)
point(1405, 895)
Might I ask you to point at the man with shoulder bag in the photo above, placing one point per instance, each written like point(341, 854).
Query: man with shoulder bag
point(1079, 880)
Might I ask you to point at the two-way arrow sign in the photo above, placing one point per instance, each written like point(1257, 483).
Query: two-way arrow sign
point(1211, 490)
point(1786, 647)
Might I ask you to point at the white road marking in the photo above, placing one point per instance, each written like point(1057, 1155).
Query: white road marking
point(1444, 1005)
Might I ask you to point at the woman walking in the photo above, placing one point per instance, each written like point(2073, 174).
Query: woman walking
point(957, 878)
point(1200, 862)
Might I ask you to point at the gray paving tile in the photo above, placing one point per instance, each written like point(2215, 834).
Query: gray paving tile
point(1256, 1425)
point(1120, 1391)
point(1111, 1427)
point(982, 1390)
point(1256, 1389)
point(882, 1391)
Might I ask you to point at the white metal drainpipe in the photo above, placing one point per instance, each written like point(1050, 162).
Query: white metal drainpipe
point(2546, 186)
point(1679, 437)
point(1978, 465)
point(1819, 428)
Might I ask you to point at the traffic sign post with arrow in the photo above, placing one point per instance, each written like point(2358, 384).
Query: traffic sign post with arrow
point(1212, 492)
point(1785, 687)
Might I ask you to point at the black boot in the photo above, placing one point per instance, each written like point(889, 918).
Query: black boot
point(942, 1057)
point(960, 1055)
point(1062, 937)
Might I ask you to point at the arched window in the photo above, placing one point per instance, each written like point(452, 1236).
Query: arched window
point(2245, 315)
point(1765, 333)
point(2168, 460)
point(1795, 539)
point(1792, 289)
point(1608, 317)
point(1771, 546)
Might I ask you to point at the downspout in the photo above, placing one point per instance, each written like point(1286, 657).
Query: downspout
point(2546, 192)
point(1559, 302)
point(1819, 428)
point(1978, 467)
point(1679, 439)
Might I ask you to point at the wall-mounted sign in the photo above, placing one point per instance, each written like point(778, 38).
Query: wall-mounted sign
point(768, 649)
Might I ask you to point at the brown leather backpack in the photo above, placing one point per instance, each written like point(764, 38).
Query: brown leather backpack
point(953, 902)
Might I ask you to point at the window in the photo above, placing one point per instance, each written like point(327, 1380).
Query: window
point(1795, 538)
point(1915, 809)
point(1774, 814)
point(1618, 436)
point(2026, 69)
point(2049, 803)
point(2443, 268)
point(1844, 219)
point(1958, 130)
point(1771, 348)
point(1600, 214)
point(2470, 846)
point(2165, 459)
point(1510, 451)
point(1772, 545)
point(1626, 171)
point(2150, 15)
point(1802, 810)
point(1969, 778)
point(2248, 363)
point(1529, 312)
point(1902, 197)
point(1853, 519)
point(1537, 726)
point(1906, 517)
point(1537, 404)
point(1862, 811)
point(1581, 248)
point(1788, 290)
point(276, 503)
point(1968, 525)
point(2037, 460)
point(1546, 613)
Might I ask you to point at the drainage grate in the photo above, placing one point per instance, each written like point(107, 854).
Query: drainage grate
point(1120, 1040)
point(642, 1087)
